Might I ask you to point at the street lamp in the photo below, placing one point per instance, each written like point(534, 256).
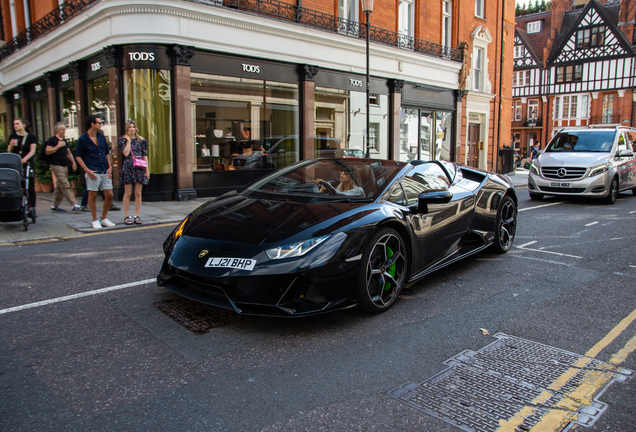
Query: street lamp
point(532, 121)
point(367, 8)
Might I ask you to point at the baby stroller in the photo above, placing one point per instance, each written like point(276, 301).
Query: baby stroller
point(14, 200)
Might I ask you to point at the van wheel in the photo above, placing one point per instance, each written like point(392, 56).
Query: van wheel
point(613, 192)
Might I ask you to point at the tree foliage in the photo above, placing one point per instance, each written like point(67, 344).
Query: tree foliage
point(532, 6)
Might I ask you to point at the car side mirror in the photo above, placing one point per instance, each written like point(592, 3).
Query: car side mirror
point(626, 153)
point(432, 197)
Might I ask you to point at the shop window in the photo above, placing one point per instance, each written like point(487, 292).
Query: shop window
point(374, 134)
point(242, 123)
point(346, 122)
point(443, 144)
point(68, 108)
point(41, 119)
point(99, 105)
point(147, 102)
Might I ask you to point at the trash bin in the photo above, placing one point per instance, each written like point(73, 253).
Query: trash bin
point(506, 160)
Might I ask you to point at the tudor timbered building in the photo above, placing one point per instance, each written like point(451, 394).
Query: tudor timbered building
point(572, 66)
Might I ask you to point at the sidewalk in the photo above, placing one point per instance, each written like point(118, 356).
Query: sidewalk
point(519, 178)
point(51, 225)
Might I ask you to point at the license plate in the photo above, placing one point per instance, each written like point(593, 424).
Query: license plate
point(561, 185)
point(237, 263)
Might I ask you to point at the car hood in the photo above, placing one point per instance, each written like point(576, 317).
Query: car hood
point(240, 223)
point(573, 159)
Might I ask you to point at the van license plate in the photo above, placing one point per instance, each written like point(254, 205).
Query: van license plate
point(561, 185)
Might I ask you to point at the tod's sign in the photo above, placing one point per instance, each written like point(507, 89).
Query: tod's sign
point(146, 57)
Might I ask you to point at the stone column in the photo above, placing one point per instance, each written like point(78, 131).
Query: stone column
point(8, 99)
point(51, 93)
point(184, 146)
point(307, 109)
point(113, 57)
point(396, 87)
point(459, 98)
point(78, 71)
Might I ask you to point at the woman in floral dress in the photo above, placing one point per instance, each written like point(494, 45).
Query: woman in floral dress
point(133, 146)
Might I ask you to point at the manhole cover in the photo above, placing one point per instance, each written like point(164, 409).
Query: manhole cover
point(514, 384)
point(197, 317)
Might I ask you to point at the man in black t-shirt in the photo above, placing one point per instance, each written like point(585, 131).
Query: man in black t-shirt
point(60, 154)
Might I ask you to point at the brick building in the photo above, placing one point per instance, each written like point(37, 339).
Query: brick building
point(573, 65)
point(205, 78)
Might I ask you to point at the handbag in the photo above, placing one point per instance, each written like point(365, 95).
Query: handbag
point(138, 162)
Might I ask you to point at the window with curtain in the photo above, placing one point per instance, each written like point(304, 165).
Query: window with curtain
point(478, 65)
point(608, 108)
point(405, 20)
point(447, 12)
point(147, 102)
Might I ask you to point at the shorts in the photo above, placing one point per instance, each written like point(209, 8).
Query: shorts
point(102, 182)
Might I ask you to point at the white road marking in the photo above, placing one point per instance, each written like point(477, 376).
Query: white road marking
point(75, 296)
point(526, 244)
point(632, 212)
point(548, 252)
point(591, 223)
point(543, 260)
point(541, 206)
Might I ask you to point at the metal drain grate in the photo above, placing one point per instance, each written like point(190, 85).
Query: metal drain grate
point(516, 383)
point(40, 241)
point(197, 317)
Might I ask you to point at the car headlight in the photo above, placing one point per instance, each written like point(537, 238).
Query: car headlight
point(179, 231)
point(594, 171)
point(534, 169)
point(295, 249)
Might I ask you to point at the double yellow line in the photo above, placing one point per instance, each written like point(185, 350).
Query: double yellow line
point(565, 411)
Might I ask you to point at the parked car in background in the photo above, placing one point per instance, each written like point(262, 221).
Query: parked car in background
point(352, 153)
point(584, 161)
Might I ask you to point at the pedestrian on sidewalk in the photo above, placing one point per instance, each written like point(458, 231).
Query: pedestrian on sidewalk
point(24, 143)
point(93, 155)
point(133, 147)
point(59, 153)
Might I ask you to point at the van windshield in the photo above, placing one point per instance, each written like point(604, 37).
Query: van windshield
point(582, 141)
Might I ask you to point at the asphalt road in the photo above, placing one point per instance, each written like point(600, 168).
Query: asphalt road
point(108, 360)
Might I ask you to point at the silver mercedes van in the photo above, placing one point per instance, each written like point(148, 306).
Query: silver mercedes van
point(586, 161)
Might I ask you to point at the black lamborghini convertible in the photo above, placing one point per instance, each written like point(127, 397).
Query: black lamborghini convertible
point(302, 240)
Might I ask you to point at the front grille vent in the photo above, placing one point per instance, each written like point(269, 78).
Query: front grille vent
point(563, 173)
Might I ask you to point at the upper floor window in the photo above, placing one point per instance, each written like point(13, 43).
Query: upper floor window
point(478, 69)
point(479, 8)
point(608, 108)
point(518, 110)
point(521, 78)
point(520, 51)
point(566, 107)
point(590, 37)
point(349, 10)
point(446, 23)
point(570, 73)
point(533, 27)
point(405, 24)
point(533, 109)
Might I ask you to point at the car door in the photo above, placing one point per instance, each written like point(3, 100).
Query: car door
point(630, 168)
point(439, 231)
point(625, 163)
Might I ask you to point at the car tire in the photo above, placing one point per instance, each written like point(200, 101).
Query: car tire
point(634, 191)
point(536, 196)
point(506, 225)
point(612, 194)
point(383, 271)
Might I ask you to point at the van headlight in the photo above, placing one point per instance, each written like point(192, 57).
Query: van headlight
point(534, 169)
point(600, 169)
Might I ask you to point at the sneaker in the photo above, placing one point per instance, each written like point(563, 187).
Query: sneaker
point(113, 207)
point(58, 209)
point(97, 225)
point(77, 208)
point(107, 223)
point(85, 209)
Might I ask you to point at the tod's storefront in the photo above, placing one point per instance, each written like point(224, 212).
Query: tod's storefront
point(215, 122)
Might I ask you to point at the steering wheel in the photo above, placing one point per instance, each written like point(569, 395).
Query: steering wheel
point(328, 187)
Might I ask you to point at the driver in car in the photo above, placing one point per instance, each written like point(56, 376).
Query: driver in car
point(348, 186)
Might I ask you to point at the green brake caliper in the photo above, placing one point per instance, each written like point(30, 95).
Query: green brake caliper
point(389, 253)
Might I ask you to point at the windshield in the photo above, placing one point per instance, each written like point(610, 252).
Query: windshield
point(582, 141)
point(329, 179)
